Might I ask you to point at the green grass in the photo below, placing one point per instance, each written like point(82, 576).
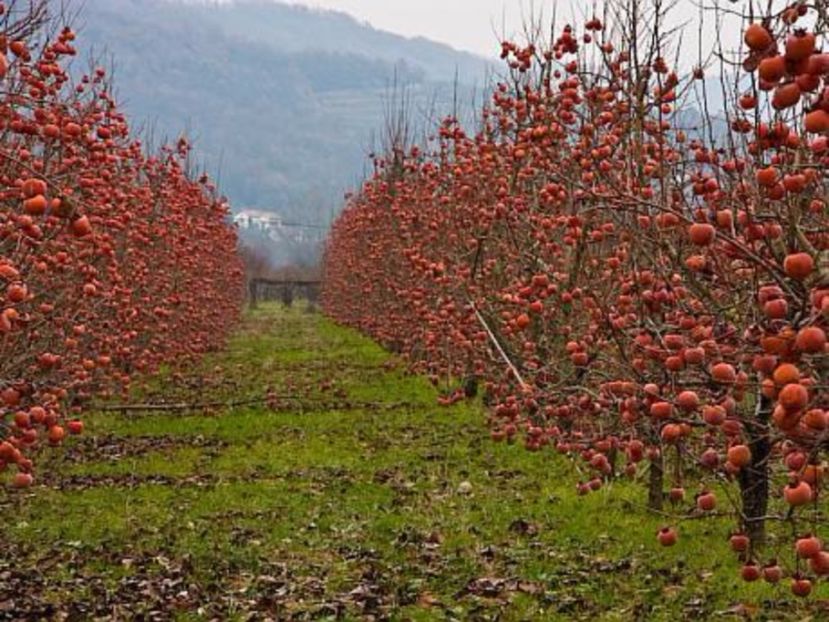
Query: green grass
point(349, 513)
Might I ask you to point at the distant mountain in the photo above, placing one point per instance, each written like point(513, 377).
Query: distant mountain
point(282, 100)
point(294, 28)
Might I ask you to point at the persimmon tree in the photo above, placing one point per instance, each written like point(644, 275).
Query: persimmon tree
point(113, 262)
point(635, 277)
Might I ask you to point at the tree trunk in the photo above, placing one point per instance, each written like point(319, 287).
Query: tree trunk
point(252, 286)
point(470, 386)
point(656, 475)
point(754, 479)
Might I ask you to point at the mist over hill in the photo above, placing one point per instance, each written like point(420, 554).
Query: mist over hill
point(281, 100)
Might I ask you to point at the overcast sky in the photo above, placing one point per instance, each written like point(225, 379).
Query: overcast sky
point(472, 24)
point(465, 24)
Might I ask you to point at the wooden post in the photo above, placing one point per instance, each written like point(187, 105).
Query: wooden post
point(253, 287)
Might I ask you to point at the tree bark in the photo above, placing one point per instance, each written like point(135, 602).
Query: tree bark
point(754, 479)
point(656, 476)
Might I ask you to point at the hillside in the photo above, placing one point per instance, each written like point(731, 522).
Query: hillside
point(282, 100)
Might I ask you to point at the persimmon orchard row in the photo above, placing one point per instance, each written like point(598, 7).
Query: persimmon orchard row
point(640, 281)
point(112, 262)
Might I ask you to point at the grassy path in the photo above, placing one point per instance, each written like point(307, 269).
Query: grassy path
point(366, 501)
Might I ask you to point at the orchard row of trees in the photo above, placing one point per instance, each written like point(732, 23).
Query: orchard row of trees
point(113, 262)
point(639, 280)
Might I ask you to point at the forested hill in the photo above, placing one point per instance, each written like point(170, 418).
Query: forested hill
point(284, 99)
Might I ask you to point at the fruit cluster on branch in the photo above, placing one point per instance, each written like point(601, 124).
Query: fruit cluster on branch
point(638, 279)
point(112, 262)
